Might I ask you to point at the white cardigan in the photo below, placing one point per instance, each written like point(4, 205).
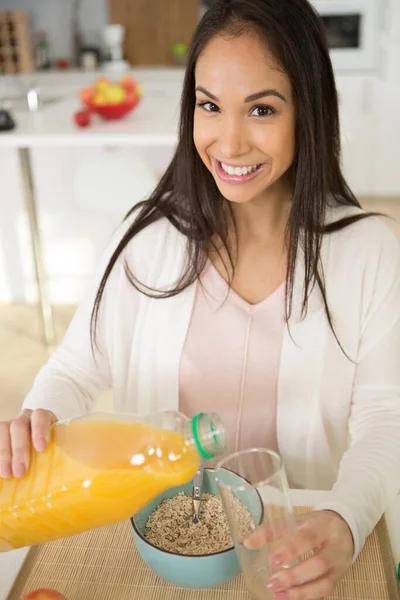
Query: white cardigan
point(324, 399)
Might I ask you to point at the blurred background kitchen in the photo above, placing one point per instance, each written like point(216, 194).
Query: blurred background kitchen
point(67, 179)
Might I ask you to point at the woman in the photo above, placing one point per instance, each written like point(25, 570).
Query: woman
point(251, 283)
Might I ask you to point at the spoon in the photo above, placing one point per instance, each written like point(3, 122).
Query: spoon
point(196, 496)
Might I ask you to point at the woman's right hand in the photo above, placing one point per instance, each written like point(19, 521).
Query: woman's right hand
point(17, 436)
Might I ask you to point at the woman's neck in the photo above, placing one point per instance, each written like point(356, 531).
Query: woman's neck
point(263, 221)
point(253, 260)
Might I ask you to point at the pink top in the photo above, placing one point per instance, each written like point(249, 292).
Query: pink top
point(230, 361)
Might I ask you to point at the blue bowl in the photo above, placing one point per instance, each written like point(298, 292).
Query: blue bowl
point(199, 572)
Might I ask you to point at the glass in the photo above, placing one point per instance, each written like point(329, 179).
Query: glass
point(257, 479)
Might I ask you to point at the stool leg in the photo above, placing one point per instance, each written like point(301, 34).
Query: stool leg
point(30, 203)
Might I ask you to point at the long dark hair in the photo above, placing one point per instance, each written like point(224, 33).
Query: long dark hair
point(187, 194)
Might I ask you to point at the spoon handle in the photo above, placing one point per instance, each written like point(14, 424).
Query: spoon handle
point(197, 485)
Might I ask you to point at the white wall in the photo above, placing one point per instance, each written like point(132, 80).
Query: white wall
point(393, 44)
point(53, 16)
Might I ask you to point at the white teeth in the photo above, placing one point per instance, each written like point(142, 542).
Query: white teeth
point(238, 171)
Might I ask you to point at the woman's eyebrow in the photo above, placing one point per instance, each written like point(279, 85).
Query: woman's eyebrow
point(251, 98)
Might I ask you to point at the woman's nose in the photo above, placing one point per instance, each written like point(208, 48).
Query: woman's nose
point(233, 140)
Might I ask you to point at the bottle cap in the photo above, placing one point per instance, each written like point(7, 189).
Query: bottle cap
point(209, 435)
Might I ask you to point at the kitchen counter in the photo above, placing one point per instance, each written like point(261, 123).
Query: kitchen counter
point(53, 125)
point(153, 122)
point(10, 562)
point(153, 126)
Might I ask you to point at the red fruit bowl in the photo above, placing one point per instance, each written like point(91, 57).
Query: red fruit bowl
point(113, 111)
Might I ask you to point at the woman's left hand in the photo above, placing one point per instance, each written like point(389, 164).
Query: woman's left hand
point(327, 535)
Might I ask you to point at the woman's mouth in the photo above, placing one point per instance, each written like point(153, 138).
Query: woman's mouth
point(237, 173)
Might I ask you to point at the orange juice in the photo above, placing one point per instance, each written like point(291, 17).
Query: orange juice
point(93, 473)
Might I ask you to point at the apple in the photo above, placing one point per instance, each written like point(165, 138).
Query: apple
point(44, 594)
point(128, 83)
point(62, 63)
point(86, 95)
point(82, 118)
point(131, 86)
point(99, 98)
point(101, 84)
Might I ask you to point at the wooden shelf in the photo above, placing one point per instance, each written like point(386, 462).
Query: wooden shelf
point(16, 52)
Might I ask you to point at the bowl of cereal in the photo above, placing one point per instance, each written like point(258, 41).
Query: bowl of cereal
point(199, 555)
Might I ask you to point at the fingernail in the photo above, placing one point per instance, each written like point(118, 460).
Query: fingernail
point(40, 444)
point(5, 470)
point(277, 560)
point(275, 585)
point(19, 469)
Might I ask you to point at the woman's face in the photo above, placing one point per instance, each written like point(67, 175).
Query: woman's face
point(244, 121)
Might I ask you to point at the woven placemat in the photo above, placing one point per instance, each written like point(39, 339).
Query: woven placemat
point(105, 565)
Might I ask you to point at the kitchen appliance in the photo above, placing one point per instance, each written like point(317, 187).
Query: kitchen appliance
point(89, 58)
point(354, 30)
point(6, 121)
point(113, 36)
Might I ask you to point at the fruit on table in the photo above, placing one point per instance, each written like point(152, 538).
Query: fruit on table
point(44, 594)
point(82, 118)
point(101, 83)
point(86, 95)
point(105, 92)
point(99, 98)
point(131, 85)
point(62, 63)
point(128, 83)
point(114, 94)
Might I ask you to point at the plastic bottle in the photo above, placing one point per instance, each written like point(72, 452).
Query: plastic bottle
point(100, 469)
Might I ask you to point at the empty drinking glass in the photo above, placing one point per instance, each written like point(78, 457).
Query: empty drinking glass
point(256, 478)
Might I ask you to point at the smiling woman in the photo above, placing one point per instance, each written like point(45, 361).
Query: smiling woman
point(251, 283)
point(245, 133)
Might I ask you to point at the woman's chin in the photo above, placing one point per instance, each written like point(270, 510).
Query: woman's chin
point(236, 199)
point(237, 194)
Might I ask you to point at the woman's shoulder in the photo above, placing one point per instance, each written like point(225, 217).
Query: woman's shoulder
point(158, 232)
point(365, 253)
point(156, 253)
point(367, 232)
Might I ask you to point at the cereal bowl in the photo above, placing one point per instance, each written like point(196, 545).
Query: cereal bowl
point(198, 571)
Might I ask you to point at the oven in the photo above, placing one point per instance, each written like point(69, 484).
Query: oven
point(353, 29)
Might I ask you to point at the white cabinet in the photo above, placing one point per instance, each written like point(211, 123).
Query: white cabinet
point(79, 206)
point(370, 123)
point(385, 133)
point(356, 114)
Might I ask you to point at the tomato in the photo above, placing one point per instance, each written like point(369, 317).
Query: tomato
point(82, 118)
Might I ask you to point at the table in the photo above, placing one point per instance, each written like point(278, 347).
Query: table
point(10, 562)
point(153, 123)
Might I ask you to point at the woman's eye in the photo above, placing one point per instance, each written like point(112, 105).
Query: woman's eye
point(263, 111)
point(208, 106)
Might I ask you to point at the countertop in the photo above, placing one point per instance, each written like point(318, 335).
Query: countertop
point(10, 562)
point(153, 122)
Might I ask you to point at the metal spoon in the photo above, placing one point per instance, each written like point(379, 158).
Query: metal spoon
point(196, 496)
